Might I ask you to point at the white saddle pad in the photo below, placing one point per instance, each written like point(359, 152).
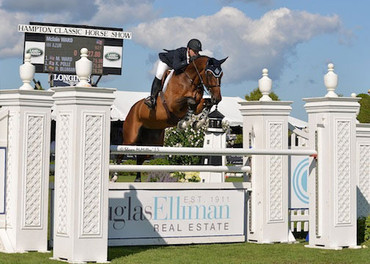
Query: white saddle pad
point(169, 76)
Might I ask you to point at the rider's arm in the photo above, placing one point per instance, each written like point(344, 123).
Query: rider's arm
point(179, 59)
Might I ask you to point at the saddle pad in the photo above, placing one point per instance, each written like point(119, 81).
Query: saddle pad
point(168, 78)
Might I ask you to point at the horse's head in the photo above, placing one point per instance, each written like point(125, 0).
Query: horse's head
point(212, 81)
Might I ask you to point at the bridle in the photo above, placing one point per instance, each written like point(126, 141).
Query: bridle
point(201, 85)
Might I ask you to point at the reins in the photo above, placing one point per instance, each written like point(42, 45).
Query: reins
point(200, 78)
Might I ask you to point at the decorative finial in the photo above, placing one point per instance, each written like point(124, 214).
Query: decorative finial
point(26, 72)
point(265, 85)
point(331, 81)
point(84, 69)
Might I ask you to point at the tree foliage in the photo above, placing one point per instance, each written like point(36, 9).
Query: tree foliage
point(256, 94)
point(364, 114)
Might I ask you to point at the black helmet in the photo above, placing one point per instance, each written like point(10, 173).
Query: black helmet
point(195, 45)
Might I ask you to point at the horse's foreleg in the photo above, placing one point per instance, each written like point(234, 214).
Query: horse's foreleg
point(139, 161)
point(188, 119)
point(203, 110)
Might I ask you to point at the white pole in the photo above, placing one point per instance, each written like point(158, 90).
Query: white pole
point(169, 168)
point(121, 149)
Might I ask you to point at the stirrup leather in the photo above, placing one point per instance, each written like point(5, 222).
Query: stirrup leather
point(149, 101)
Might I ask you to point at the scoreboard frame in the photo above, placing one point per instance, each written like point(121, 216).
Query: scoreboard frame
point(54, 48)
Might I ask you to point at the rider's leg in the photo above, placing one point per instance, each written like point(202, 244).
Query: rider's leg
point(151, 100)
point(156, 85)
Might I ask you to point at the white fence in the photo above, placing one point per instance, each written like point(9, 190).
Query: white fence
point(81, 205)
point(298, 219)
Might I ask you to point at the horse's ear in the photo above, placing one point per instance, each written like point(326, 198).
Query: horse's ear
point(223, 60)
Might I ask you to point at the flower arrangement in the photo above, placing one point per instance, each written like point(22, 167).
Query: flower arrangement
point(187, 176)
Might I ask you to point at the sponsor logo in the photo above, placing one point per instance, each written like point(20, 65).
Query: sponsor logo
point(112, 56)
point(300, 181)
point(35, 52)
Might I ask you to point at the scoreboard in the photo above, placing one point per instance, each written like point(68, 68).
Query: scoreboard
point(61, 53)
point(55, 48)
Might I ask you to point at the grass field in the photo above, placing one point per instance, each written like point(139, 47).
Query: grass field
point(214, 253)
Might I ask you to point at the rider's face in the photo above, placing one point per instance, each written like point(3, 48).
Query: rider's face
point(192, 53)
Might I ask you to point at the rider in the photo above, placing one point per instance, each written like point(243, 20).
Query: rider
point(176, 59)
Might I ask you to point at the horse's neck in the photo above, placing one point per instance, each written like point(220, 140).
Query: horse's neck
point(187, 81)
point(196, 67)
point(194, 74)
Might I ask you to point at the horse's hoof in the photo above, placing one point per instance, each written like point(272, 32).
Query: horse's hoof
point(181, 125)
point(137, 180)
point(199, 124)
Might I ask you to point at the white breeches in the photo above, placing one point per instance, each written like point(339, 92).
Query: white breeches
point(161, 69)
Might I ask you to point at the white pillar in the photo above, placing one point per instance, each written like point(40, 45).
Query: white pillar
point(265, 126)
point(332, 184)
point(82, 173)
point(363, 169)
point(27, 169)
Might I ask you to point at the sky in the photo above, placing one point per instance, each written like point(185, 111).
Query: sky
point(294, 39)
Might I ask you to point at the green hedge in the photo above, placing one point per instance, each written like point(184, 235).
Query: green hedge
point(363, 230)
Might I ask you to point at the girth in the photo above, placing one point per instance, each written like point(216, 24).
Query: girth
point(172, 119)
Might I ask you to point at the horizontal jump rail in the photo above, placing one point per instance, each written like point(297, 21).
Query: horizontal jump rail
point(172, 168)
point(148, 150)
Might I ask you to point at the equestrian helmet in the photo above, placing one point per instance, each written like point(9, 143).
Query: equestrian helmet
point(195, 45)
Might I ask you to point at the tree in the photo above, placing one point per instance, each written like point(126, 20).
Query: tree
point(256, 94)
point(364, 114)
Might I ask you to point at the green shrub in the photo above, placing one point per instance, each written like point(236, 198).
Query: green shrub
point(127, 162)
point(361, 230)
point(158, 161)
point(367, 230)
point(364, 114)
point(184, 138)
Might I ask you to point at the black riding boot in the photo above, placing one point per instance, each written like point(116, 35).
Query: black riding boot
point(151, 100)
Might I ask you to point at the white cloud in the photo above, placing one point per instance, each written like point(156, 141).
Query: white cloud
point(250, 44)
point(11, 42)
point(113, 13)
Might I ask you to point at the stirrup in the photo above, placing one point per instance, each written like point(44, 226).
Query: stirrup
point(149, 101)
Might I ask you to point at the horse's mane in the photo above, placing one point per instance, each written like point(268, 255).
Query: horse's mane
point(210, 63)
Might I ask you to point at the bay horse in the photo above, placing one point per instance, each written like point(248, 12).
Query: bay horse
point(182, 98)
